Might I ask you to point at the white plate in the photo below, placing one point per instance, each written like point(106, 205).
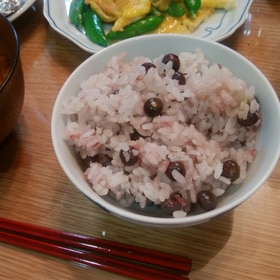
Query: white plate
point(218, 27)
point(25, 6)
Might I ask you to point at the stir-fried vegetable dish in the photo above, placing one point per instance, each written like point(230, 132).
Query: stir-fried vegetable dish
point(107, 21)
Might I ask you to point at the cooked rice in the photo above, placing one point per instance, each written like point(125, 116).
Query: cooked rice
point(198, 127)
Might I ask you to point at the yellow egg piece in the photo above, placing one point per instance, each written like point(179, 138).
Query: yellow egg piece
point(132, 11)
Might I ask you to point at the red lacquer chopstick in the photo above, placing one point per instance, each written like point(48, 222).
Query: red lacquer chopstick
point(152, 257)
point(72, 247)
point(134, 270)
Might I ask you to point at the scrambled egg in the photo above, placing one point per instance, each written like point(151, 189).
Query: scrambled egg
point(108, 10)
point(120, 12)
point(132, 11)
point(162, 5)
point(184, 24)
point(123, 12)
point(218, 4)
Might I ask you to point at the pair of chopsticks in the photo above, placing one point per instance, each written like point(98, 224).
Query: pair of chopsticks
point(136, 262)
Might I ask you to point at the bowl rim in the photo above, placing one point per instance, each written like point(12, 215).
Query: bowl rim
point(17, 51)
point(148, 220)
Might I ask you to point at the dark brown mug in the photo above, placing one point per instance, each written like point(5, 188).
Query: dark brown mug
point(11, 78)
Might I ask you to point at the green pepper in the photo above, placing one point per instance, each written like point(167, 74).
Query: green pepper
point(175, 9)
point(94, 28)
point(140, 27)
point(76, 13)
point(193, 6)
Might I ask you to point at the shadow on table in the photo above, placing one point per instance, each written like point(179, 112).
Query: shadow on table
point(200, 242)
point(25, 24)
point(9, 150)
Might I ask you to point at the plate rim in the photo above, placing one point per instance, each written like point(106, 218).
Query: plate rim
point(19, 12)
point(235, 26)
point(79, 39)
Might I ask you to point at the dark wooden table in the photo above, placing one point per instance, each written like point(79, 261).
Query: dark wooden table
point(242, 244)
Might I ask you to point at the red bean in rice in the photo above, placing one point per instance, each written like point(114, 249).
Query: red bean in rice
point(198, 127)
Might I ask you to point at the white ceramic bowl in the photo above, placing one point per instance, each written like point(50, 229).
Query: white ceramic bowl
point(268, 140)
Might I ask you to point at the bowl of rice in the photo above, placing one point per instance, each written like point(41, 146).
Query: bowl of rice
point(167, 130)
